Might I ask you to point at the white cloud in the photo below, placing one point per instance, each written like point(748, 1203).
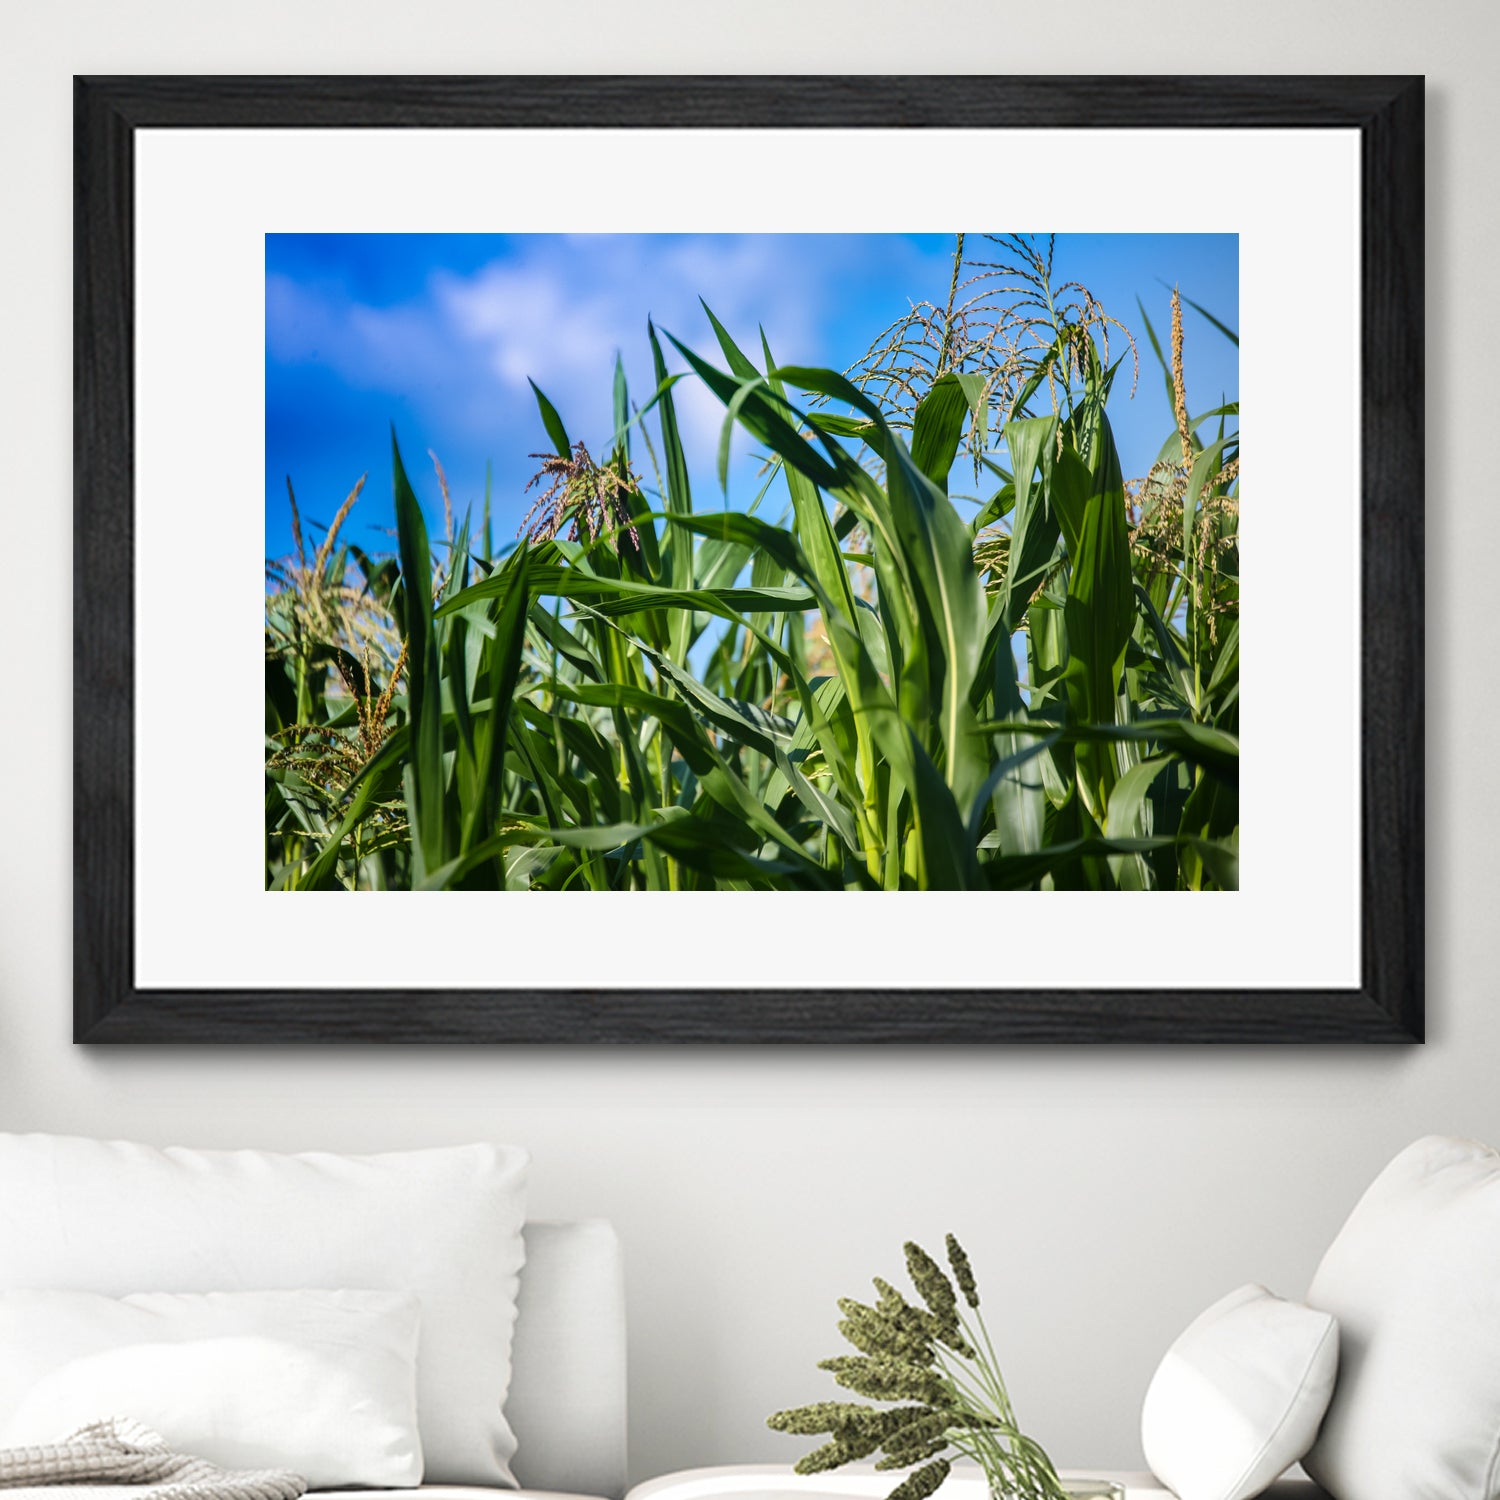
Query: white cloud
point(556, 310)
point(530, 322)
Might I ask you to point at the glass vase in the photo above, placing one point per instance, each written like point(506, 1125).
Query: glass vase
point(1076, 1489)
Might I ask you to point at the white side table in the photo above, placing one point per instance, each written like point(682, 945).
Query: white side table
point(862, 1482)
point(853, 1482)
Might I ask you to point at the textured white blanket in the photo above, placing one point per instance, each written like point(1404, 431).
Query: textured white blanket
point(118, 1451)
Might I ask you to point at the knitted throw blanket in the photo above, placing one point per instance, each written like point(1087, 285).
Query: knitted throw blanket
point(120, 1451)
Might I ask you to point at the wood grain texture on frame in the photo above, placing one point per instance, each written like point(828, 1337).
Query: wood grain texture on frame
point(1389, 1004)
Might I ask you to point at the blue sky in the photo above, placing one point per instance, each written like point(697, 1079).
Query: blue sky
point(438, 334)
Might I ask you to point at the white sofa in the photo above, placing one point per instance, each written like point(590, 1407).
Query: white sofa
point(392, 1315)
point(567, 1394)
point(1411, 1281)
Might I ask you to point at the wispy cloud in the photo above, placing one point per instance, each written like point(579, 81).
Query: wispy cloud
point(530, 321)
point(556, 310)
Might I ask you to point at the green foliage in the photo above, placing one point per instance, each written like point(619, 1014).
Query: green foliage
point(943, 1367)
point(867, 691)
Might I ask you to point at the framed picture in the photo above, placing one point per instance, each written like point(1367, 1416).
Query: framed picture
point(748, 559)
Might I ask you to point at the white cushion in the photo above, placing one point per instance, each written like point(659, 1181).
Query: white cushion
point(444, 1224)
point(1236, 1401)
point(1414, 1280)
point(321, 1383)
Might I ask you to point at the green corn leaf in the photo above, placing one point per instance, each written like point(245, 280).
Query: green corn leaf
point(584, 742)
point(1171, 450)
point(755, 536)
point(700, 843)
point(552, 422)
point(1034, 381)
point(621, 394)
point(1174, 662)
point(1217, 751)
point(767, 420)
point(821, 804)
point(1205, 465)
point(504, 663)
point(1100, 610)
point(931, 544)
point(1226, 667)
point(836, 425)
point(862, 676)
point(1220, 858)
point(739, 362)
point(717, 777)
point(1223, 328)
point(569, 646)
point(996, 508)
point(1032, 442)
point(629, 595)
point(601, 838)
point(1019, 817)
point(1126, 817)
point(938, 426)
point(1018, 872)
point(425, 808)
point(679, 496)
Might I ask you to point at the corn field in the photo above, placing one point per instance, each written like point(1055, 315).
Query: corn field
point(848, 684)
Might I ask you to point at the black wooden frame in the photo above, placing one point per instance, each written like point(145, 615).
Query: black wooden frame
point(1389, 1004)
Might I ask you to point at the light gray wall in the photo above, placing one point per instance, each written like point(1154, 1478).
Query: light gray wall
point(1106, 1196)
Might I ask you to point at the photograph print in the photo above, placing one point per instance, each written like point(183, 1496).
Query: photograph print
point(752, 562)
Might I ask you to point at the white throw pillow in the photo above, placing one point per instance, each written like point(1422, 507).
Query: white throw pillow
point(321, 1383)
point(444, 1224)
point(1236, 1401)
point(1414, 1279)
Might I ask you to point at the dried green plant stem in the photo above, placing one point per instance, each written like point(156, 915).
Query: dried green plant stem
point(940, 1360)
